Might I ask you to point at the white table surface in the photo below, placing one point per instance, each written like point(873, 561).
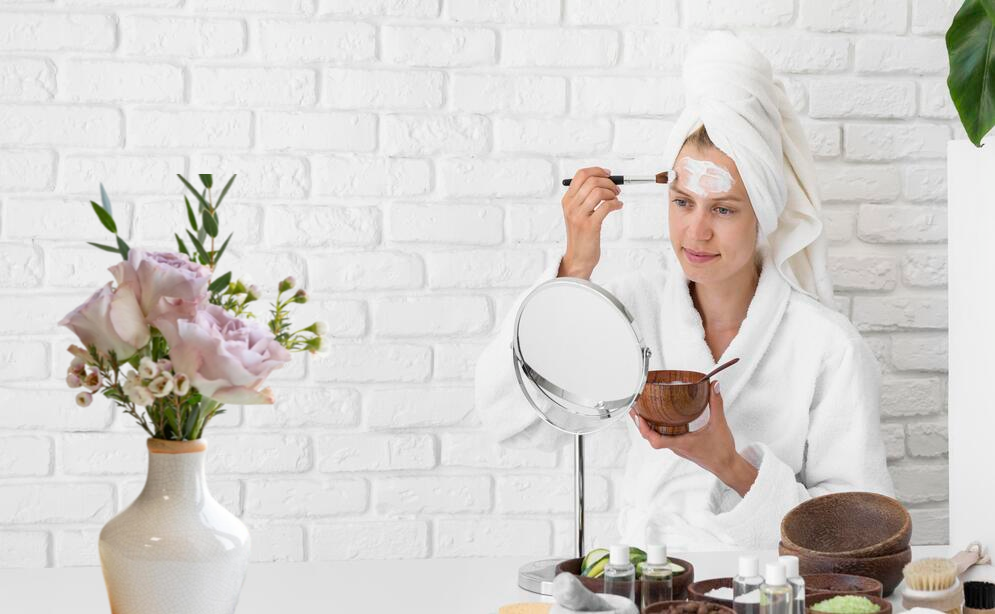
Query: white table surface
point(458, 586)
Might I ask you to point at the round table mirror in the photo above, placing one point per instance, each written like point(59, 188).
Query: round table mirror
point(581, 364)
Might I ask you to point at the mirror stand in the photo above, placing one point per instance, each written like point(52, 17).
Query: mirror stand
point(538, 576)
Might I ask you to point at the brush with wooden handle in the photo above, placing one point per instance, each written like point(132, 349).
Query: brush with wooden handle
point(935, 582)
point(662, 177)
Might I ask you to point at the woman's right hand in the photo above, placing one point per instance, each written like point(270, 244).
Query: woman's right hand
point(583, 216)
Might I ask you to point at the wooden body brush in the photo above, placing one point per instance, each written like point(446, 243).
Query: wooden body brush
point(663, 177)
point(935, 582)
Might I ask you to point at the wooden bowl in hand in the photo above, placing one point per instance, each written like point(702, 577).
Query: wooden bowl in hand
point(671, 400)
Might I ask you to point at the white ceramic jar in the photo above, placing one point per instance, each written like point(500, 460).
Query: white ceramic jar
point(174, 549)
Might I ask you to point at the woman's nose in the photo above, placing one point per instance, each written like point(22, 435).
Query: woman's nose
point(700, 227)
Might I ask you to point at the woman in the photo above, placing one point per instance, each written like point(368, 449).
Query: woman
point(797, 417)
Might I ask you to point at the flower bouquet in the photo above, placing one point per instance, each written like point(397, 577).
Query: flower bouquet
point(169, 341)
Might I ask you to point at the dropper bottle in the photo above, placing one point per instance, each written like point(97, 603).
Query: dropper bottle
point(620, 573)
point(795, 581)
point(746, 586)
point(775, 594)
point(657, 582)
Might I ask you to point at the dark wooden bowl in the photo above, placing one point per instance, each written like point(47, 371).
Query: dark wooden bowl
point(597, 585)
point(664, 606)
point(885, 569)
point(668, 403)
point(848, 525)
point(842, 583)
point(697, 590)
point(811, 600)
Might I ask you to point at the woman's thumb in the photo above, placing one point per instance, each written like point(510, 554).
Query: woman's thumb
point(715, 403)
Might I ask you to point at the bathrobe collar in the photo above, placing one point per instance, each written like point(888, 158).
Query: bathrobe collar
point(683, 331)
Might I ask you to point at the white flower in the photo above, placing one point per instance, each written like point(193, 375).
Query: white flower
point(148, 368)
point(140, 395)
point(181, 385)
point(165, 365)
point(318, 346)
point(161, 386)
point(84, 399)
point(77, 366)
point(73, 380)
point(321, 327)
point(130, 381)
point(80, 353)
point(92, 381)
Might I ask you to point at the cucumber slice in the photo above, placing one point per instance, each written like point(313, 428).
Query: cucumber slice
point(674, 567)
point(598, 569)
point(592, 557)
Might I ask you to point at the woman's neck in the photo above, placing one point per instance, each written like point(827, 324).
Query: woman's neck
point(723, 306)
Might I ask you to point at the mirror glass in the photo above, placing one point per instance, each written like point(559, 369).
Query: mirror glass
point(578, 356)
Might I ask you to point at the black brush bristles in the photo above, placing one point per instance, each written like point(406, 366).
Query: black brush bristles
point(979, 595)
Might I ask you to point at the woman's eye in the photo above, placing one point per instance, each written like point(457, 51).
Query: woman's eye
point(680, 202)
point(723, 211)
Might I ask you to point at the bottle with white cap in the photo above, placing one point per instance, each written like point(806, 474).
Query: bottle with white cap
point(795, 581)
point(620, 573)
point(746, 586)
point(658, 578)
point(775, 594)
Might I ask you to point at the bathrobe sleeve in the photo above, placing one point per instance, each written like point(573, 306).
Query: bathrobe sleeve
point(844, 452)
point(498, 401)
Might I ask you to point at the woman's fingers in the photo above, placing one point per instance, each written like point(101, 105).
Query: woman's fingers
point(655, 439)
point(606, 207)
point(595, 190)
point(581, 177)
point(597, 196)
point(715, 403)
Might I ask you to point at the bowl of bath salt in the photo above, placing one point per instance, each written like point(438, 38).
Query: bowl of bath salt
point(826, 603)
point(716, 590)
point(671, 400)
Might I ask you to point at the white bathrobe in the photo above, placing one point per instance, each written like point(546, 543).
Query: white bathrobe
point(802, 404)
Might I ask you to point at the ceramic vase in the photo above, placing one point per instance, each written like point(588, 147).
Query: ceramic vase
point(174, 549)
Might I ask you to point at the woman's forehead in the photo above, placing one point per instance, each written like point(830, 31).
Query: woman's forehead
point(707, 154)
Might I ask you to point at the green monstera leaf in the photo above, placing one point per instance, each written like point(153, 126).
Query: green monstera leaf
point(971, 47)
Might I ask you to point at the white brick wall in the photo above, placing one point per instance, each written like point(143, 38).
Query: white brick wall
point(402, 158)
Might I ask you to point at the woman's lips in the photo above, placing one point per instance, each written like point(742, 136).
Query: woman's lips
point(698, 257)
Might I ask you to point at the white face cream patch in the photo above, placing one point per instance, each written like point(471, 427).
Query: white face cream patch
point(704, 177)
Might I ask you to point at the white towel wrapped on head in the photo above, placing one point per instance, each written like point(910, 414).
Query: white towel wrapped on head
point(730, 88)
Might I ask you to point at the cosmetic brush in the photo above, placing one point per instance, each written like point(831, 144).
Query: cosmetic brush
point(662, 177)
point(935, 582)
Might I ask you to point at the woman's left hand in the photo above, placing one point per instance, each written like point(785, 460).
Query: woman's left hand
point(712, 447)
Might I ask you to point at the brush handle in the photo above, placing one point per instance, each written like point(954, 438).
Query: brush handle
point(616, 179)
point(965, 559)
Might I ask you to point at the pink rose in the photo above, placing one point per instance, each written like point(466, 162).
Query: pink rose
point(112, 321)
point(225, 358)
point(165, 283)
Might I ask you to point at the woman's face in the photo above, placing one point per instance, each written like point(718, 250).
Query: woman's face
point(712, 225)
